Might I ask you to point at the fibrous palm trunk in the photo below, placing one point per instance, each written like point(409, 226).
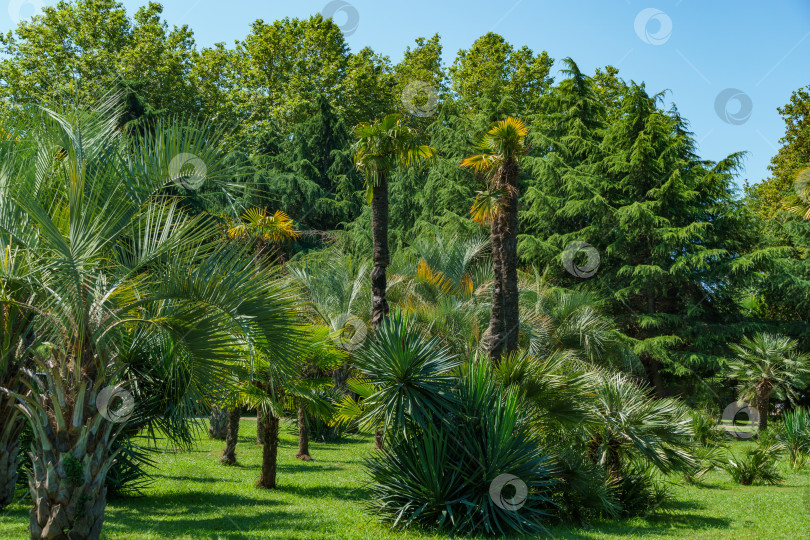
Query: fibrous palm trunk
point(379, 231)
point(229, 455)
point(509, 260)
point(303, 435)
point(259, 426)
point(269, 452)
point(763, 390)
point(218, 428)
point(496, 317)
point(11, 426)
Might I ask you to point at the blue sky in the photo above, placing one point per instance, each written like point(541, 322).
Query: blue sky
point(751, 53)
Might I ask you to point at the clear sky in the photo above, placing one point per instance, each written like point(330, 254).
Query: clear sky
point(727, 64)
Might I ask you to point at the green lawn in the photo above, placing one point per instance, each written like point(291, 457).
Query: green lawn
point(195, 497)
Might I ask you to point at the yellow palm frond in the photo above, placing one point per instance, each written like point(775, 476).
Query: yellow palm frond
point(486, 206)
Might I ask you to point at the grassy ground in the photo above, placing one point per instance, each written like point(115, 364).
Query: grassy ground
point(195, 497)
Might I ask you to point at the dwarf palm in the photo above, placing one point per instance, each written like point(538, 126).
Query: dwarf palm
point(117, 268)
point(381, 147)
point(503, 147)
point(767, 365)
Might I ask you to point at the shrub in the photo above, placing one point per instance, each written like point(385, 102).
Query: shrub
point(794, 434)
point(757, 464)
point(478, 470)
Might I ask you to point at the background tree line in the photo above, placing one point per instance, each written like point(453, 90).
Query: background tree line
point(687, 262)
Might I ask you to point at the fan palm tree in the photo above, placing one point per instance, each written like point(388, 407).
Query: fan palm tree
point(628, 424)
point(383, 146)
point(267, 234)
point(116, 267)
point(768, 365)
point(502, 149)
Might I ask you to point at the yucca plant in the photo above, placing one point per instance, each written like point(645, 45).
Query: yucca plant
point(795, 436)
point(478, 469)
point(120, 272)
point(406, 378)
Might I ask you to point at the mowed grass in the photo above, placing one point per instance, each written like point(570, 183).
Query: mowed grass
point(193, 496)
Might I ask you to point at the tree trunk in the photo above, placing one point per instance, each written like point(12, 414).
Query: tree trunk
point(11, 427)
point(379, 230)
point(764, 390)
point(259, 426)
point(70, 459)
point(654, 374)
point(218, 426)
point(509, 258)
point(229, 455)
point(496, 316)
point(303, 435)
point(378, 439)
point(269, 453)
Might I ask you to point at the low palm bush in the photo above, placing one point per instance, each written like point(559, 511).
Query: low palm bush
point(756, 465)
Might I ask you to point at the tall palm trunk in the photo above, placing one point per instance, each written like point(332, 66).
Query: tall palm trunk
point(764, 390)
point(269, 452)
point(229, 455)
point(496, 316)
point(218, 426)
point(509, 262)
point(11, 427)
point(379, 231)
point(303, 435)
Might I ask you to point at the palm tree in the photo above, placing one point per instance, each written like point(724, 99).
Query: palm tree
point(381, 147)
point(768, 365)
point(267, 234)
point(16, 340)
point(118, 269)
point(503, 148)
point(628, 424)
